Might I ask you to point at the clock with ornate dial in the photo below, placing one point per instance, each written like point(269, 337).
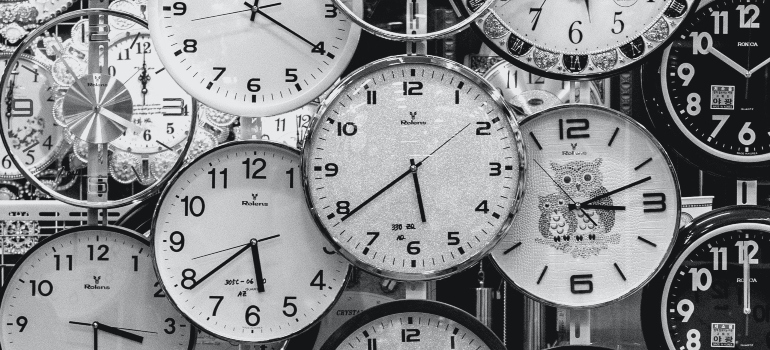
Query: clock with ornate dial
point(601, 212)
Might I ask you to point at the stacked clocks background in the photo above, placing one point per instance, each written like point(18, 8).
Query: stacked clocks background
point(417, 174)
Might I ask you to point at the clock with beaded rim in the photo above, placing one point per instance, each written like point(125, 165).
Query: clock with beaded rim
point(90, 287)
point(707, 96)
point(413, 325)
point(702, 300)
point(578, 39)
point(210, 49)
point(236, 249)
point(413, 167)
point(601, 211)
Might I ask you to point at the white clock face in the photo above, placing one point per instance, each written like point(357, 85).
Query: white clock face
point(412, 168)
point(87, 276)
point(526, 92)
point(601, 211)
point(289, 128)
point(254, 63)
point(272, 275)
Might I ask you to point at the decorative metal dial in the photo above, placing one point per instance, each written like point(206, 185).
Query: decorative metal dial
point(47, 9)
point(525, 92)
point(273, 275)
point(27, 108)
point(302, 48)
point(601, 211)
point(714, 80)
point(413, 167)
point(413, 324)
point(90, 288)
point(579, 39)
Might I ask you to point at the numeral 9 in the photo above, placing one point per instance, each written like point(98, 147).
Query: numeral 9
point(180, 6)
point(681, 310)
point(21, 321)
point(685, 72)
point(177, 241)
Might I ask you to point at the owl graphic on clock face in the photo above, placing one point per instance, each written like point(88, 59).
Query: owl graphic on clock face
point(580, 232)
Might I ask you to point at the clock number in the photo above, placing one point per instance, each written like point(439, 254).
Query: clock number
point(219, 299)
point(410, 335)
point(21, 321)
point(159, 293)
point(6, 163)
point(743, 251)
point(457, 97)
point(573, 132)
point(126, 57)
point(496, 169)
point(748, 22)
point(719, 252)
point(44, 288)
point(280, 124)
point(482, 130)
point(135, 259)
point(722, 121)
point(374, 238)
point(189, 206)
point(318, 48)
point(371, 343)
point(248, 162)
point(747, 136)
point(213, 173)
point(252, 313)
point(290, 172)
point(171, 326)
point(575, 35)
point(290, 76)
point(332, 170)
point(169, 128)
point(221, 71)
point(190, 45)
point(371, 97)
point(538, 80)
point(288, 304)
point(693, 339)
point(720, 17)
point(693, 104)
point(680, 308)
point(146, 135)
point(102, 257)
point(347, 129)
point(179, 6)
point(686, 72)
point(537, 11)
point(331, 11)
point(412, 88)
point(581, 284)
point(177, 241)
point(111, 70)
point(618, 24)
point(58, 262)
point(452, 238)
point(181, 105)
point(413, 248)
point(697, 43)
point(343, 207)
point(318, 280)
point(22, 108)
point(698, 282)
point(657, 202)
point(188, 278)
point(483, 207)
point(253, 85)
point(143, 48)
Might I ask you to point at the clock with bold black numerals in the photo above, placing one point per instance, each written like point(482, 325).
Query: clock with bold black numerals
point(715, 293)
point(709, 92)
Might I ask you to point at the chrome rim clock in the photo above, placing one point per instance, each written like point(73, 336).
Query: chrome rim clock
point(579, 39)
point(210, 49)
point(715, 291)
point(90, 287)
point(413, 167)
point(272, 275)
point(413, 324)
point(708, 95)
point(601, 211)
point(525, 92)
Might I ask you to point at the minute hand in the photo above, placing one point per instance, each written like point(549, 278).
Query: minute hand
point(286, 28)
point(648, 178)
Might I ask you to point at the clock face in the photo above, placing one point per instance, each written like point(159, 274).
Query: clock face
point(527, 92)
point(302, 48)
point(273, 275)
point(413, 324)
point(714, 296)
point(90, 276)
point(289, 128)
point(413, 169)
point(579, 38)
point(714, 79)
point(31, 132)
point(601, 213)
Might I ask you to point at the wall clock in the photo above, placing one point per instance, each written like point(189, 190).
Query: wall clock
point(302, 48)
point(527, 93)
point(273, 275)
point(90, 287)
point(579, 39)
point(413, 324)
point(601, 213)
point(714, 293)
point(413, 167)
point(708, 95)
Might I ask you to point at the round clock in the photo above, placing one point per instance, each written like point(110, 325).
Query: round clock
point(90, 287)
point(525, 92)
point(272, 276)
point(301, 48)
point(707, 96)
point(715, 291)
point(27, 107)
point(413, 167)
point(413, 324)
point(601, 213)
point(579, 39)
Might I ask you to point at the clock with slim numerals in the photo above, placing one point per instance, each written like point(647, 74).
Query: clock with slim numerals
point(708, 95)
point(526, 92)
point(272, 276)
point(90, 287)
point(254, 59)
point(574, 40)
point(413, 167)
point(601, 211)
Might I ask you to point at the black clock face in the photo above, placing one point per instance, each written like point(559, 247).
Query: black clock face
point(707, 304)
point(715, 80)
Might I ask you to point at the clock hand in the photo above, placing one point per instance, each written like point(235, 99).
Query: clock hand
point(96, 337)
point(648, 178)
point(122, 122)
point(588, 9)
point(238, 246)
point(746, 287)
point(566, 194)
point(144, 78)
point(234, 12)
point(600, 207)
point(400, 177)
point(759, 66)
point(257, 265)
point(413, 168)
point(231, 258)
point(112, 330)
point(722, 57)
point(283, 26)
point(9, 99)
point(254, 10)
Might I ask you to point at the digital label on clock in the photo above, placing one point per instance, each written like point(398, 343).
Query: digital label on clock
point(723, 335)
point(723, 97)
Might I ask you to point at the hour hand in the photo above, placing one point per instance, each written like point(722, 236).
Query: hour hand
point(734, 65)
point(121, 333)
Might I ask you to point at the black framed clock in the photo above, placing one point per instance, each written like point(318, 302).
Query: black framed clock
point(708, 95)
